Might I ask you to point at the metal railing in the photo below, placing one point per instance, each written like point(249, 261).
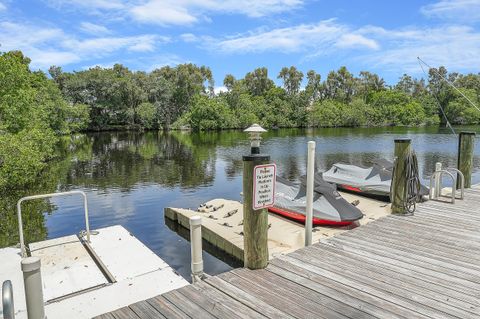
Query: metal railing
point(19, 210)
point(437, 179)
point(7, 300)
point(462, 181)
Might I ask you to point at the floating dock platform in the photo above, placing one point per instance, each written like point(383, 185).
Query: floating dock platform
point(83, 280)
point(421, 266)
point(223, 227)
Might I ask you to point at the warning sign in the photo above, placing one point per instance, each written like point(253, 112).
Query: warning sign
point(264, 186)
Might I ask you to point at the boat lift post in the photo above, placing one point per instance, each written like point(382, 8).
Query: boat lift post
point(32, 278)
point(437, 181)
point(399, 180)
point(310, 182)
point(466, 142)
point(196, 248)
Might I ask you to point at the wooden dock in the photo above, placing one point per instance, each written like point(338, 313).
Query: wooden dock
point(421, 266)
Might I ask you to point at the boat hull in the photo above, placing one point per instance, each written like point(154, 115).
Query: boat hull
point(298, 217)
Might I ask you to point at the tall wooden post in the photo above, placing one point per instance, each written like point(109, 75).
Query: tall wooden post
point(255, 222)
point(399, 180)
point(466, 142)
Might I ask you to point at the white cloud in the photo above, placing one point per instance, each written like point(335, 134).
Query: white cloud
point(317, 39)
point(176, 12)
point(48, 46)
point(36, 43)
point(351, 40)
point(146, 43)
point(457, 10)
point(186, 12)
point(106, 45)
point(3, 7)
point(163, 13)
point(18, 34)
point(93, 28)
point(220, 89)
point(161, 60)
point(100, 65)
point(45, 58)
point(88, 4)
point(396, 50)
point(455, 47)
point(189, 37)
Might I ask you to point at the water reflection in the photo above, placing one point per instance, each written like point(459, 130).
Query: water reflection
point(130, 177)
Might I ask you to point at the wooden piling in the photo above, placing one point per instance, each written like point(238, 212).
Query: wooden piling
point(466, 142)
point(399, 180)
point(255, 222)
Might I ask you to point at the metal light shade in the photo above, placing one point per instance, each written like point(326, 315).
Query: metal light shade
point(255, 130)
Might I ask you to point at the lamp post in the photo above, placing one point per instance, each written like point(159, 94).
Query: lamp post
point(255, 221)
point(255, 131)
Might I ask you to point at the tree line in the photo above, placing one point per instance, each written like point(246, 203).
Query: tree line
point(183, 96)
point(36, 110)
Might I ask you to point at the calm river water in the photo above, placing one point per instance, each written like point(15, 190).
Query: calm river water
point(130, 177)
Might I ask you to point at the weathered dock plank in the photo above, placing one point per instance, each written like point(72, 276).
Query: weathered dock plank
point(388, 279)
point(246, 298)
point(421, 266)
point(225, 300)
point(167, 309)
point(124, 313)
point(190, 308)
point(146, 311)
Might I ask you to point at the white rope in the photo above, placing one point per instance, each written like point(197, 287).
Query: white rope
point(451, 84)
point(435, 96)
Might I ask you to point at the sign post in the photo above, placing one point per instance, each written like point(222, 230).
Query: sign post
point(258, 191)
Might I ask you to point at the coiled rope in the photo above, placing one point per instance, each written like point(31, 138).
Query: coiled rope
point(412, 179)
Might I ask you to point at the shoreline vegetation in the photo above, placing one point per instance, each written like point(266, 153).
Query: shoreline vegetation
point(37, 111)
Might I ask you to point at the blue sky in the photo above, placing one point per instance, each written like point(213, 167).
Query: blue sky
point(237, 36)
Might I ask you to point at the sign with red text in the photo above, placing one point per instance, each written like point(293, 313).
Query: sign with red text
point(264, 186)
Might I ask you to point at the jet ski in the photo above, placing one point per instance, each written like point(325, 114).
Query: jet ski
point(370, 181)
point(329, 207)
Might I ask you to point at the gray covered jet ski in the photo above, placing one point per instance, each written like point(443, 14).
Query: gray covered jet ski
point(374, 181)
point(329, 207)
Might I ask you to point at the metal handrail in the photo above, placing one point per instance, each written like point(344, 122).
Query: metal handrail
point(7, 300)
point(462, 181)
point(19, 210)
point(440, 173)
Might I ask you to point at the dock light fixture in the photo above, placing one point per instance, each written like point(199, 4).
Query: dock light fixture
point(255, 131)
point(255, 217)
